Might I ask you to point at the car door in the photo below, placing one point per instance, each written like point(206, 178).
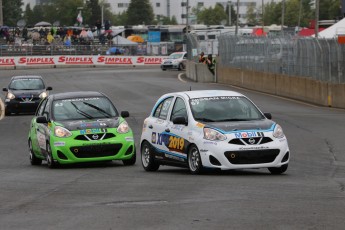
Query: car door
point(158, 125)
point(178, 133)
point(34, 127)
point(43, 129)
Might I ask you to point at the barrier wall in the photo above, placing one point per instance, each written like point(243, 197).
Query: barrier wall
point(299, 88)
point(87, 60)
point(199, 72)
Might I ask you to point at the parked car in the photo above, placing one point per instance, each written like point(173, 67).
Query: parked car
point(175, 60)
point(79, 127)
point(212, 129)
point(24, 93)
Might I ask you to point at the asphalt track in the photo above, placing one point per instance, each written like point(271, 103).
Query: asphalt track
point(311, 195)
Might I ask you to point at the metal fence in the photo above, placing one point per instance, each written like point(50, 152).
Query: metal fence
point(320, 59)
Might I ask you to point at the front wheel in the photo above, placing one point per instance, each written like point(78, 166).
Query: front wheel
point(194, 160)
point(180, 66)
point(147, 158)
point(279, 170)
point(130, 161)
point(33, 159)
point(50, 160)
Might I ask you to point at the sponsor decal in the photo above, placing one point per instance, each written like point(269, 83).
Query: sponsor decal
point(75, 60)
point(210, 143)
point(249, 134)
point(253, 148)
point(92, 125)
point(203, 150)
point(178, 127)
point(200, 125)
point(59, 143)
point(36, 60)
point(149, 60)
point(81, 99)
point(196, 101)
point(173, 143)
point(173, 157)
point(129, 139)
point(7, 62)
point(154, 136)
point(115, 60)
point(90, 131)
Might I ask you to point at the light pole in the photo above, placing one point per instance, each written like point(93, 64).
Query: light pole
point(229, 4)
point(317, 5)
point(103, 4)
point(283, 16)
point(237, 13)
point(1, 17)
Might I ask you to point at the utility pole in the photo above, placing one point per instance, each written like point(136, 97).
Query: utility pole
point(229, 4)
point(187, 16)
point(283, 16)
point(237, 13)
point(1, 17)
point(317, 5)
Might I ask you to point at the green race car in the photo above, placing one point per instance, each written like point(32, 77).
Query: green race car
point(79, 127)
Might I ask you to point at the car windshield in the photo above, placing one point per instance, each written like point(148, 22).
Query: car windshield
point(26, 84)
point(176, 56)
point(224, 108)
point(83, 108)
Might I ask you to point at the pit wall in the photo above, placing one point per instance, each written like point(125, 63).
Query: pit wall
point(295, 87)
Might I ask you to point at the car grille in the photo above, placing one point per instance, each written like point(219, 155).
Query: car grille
point(250, 141)
point(94, 136)
point(96, 150)
point(252, 156)
point(27, 99)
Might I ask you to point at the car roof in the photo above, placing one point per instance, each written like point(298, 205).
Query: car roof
point(26, 76)
point(77, 94)
point(210, 93)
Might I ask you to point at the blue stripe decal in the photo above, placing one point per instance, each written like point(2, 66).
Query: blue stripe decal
point(169, 153)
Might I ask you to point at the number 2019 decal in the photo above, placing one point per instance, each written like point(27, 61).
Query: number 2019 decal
point(173, 143)
point(176, 144)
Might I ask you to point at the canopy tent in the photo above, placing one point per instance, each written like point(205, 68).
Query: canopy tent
point(119, 40)
point(333, 31)
point(135, 38)
point(43, 24)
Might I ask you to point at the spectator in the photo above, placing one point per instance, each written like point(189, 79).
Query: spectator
point(202, 58)
point(89, 35)
point(107, 25)
point(50, 38)
point(25, 34)
point(211, 63)
point(99, 27)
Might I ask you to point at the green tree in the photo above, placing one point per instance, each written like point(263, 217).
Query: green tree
point(12, 11)
point(233, 14)
point(272, 13)
point(38, 14)
point(212, 16)
point(94, 10)
point(140, 12)
point(120, 19)
point(251, 14)
point(29, 15)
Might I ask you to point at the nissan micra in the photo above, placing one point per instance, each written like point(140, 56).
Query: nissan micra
point(212, 129)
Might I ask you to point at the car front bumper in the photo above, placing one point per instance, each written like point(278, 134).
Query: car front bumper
point(15, 106)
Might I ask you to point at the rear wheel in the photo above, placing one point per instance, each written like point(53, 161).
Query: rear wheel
point(180, 66)
point(33, 159)
point(50, 160)
point(194, 160)
point(279, 170)
point(147, 158)
point(132, 160)
point(164, 69)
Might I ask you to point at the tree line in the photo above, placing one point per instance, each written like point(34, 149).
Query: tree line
point(64, 13)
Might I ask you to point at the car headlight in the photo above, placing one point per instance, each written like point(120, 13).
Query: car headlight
point(10, 96)
point(43, 95)
point(62, 132)
point(278, 132)
point(213, 135)
point(123, 127)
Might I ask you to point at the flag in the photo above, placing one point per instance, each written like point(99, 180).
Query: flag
point(80, 18)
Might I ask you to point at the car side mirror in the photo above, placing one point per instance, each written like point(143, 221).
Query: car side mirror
point(180, 121)
point(124, 114)
point(41, 120)
point(4, 89)
point(268, 116)
point(49, 88)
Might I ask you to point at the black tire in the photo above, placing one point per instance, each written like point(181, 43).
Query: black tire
point(194, 161)
point(180, 66)
point(277, 171)
point(50, 160)
point(7, 112)
point(132, 160)
point(164, 69)
point(147, 158)
point(33, 159)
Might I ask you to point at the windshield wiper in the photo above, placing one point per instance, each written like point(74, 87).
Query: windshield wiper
point(98, 109)
point(204, 119)
point(82, 112)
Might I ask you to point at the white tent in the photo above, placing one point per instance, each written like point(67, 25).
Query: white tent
point(119, 40)
point(333, 31)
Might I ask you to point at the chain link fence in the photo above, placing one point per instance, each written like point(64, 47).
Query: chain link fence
point(319, 59)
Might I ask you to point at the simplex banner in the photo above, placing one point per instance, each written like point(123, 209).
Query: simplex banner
point(80, 60)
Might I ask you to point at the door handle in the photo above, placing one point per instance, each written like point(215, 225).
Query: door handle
point(150, 127)
point(167, 130)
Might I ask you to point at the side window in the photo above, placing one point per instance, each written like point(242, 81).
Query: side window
point(41, 107)
point(179, 109)
point(163, 109)
point(46, 110)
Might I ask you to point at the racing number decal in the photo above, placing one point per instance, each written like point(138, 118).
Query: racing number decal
point(176, 143)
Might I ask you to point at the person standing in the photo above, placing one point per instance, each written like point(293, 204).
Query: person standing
point(99, 27)
point(211, 63)
point(202, 58)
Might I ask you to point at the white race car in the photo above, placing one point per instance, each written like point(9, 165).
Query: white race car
point(212, 129)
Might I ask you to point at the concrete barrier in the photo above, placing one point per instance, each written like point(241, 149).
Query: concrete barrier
point(199, 72)
point(295, 87)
